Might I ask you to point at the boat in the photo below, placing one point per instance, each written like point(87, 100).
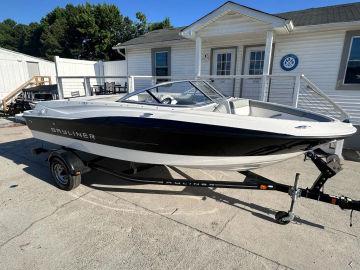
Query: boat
point(184, 123)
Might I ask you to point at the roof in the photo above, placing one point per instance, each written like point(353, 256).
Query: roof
point(24, 55)
point(156, 36)
point(271, 19)
point(312, 16)
point(324, 15)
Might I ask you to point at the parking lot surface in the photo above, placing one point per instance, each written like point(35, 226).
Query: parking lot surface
point(108, 223)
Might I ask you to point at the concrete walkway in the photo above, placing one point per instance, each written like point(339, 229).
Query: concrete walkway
point(111, 224)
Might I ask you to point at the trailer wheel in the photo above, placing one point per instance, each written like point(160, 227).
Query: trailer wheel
point(62, 176)
point(282, 217)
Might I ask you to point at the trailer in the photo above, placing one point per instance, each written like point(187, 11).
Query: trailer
point(68, 165)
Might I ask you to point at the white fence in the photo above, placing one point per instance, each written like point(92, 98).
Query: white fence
point(76, 77)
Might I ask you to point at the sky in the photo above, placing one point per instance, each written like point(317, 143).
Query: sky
point(181, 12)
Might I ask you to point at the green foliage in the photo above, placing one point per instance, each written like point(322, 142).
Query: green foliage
point(82, 32)
point(160, 25)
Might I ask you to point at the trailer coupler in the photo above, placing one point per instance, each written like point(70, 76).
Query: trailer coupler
point(329, 166)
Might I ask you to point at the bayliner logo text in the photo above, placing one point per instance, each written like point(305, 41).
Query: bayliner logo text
point(73, 133)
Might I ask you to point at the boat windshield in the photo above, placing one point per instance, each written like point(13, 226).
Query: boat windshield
point(181, 93)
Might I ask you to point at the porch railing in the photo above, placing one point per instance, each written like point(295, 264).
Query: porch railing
point(310, 97)
point(79, 86)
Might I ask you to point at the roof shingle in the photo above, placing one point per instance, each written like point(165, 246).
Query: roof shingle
point(156, 36)
point(324, 15)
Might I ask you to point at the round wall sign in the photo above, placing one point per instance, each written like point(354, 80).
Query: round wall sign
point(289, 62)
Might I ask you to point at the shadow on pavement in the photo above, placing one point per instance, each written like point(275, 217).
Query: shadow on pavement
point(351, 155)
point(20, 152)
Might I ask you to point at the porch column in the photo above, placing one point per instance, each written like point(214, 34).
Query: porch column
point(267, 64)
point(198, 56)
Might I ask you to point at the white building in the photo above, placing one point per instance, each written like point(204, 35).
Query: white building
point(17, 68)
point(321, 43)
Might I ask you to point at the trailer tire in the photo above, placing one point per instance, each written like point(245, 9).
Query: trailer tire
point(62, 175)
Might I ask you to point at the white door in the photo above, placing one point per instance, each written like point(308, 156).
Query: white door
point(33, 69)
point(254, 65)
point(223, 63)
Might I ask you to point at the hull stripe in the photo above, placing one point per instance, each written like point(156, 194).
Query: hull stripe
point(173, 137)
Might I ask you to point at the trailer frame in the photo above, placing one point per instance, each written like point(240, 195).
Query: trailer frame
point(74, 165)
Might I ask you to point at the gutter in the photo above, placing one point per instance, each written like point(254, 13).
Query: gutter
point(118, 48)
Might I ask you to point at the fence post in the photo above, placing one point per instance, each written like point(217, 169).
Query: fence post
point(131, 84)
point(87, 86)
point(101, 71)
point(58, 79)
point(60, 87)
point(296, 90)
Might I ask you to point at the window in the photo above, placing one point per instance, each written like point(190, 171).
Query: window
point(349, 71)
point(223, 64)
point(161, 62)
point(143, 97)
point(181, 93)
point(352, 73)
point(256, 64)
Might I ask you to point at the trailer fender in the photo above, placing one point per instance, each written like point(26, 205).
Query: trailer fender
point(73, 162)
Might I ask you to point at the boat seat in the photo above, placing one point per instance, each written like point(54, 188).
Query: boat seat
point(240, 106)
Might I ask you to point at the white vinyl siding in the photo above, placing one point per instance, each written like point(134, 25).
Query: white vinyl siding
point(319, 56)
point(234, 24)
point(139, 63)
point(182, 62)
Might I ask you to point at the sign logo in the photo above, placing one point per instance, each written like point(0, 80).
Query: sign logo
point(73, 133)
point(289, 62)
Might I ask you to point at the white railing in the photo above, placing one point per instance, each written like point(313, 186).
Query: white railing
point(310, 97)
point(79, 86)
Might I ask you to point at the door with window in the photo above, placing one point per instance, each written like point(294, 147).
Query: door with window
point(254, 65)
point(223, 64)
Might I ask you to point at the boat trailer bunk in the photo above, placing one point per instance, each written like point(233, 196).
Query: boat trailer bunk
point(67, 166)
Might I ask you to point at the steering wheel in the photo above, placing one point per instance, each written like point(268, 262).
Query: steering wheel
point(167, 99)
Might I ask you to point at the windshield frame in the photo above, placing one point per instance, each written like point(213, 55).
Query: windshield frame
point(148, 90)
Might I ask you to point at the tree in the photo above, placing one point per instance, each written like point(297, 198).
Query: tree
point(82, 32)
point(9, 31)
point(141, 24)
point(160, 25)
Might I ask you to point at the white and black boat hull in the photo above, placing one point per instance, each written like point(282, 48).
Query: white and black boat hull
point(236, 163)
point(175, 143)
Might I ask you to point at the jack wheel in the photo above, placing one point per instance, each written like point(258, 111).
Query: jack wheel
point(282, 217)
point(62, 176)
